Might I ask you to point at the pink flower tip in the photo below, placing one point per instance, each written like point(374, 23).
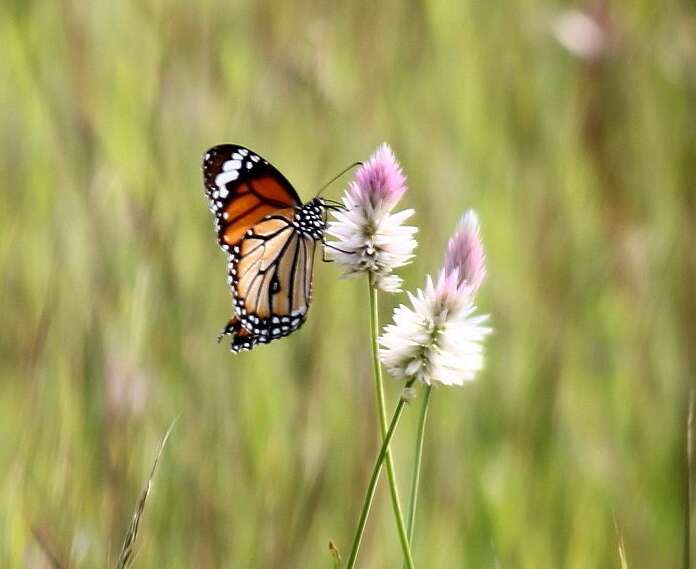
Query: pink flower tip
point(465, 256)
point(583, 34)
point(380, 180)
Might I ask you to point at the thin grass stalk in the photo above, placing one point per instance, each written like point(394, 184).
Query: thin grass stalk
point(127, 554)
point(371, 487)
point(418, 458)
point(688, 485)
point(382, 412)
point(622, 554)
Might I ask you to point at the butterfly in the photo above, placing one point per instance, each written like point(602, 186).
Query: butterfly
point(270, 237)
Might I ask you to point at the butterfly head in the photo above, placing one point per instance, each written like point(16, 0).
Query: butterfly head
point(310, 218)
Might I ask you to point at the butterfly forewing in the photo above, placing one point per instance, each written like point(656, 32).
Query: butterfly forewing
point(242, 189)
point(271, 239)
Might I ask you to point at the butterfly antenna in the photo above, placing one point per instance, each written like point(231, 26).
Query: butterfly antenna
point(337, 176)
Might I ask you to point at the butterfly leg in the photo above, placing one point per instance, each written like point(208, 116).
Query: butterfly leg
point(229, 330)
point(323, 251)
point(324, 258)
point(242, 340)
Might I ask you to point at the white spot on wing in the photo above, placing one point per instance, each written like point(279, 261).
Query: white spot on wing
point(226, 177)
point(231, 165)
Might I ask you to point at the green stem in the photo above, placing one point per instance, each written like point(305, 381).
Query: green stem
point(383, 452)
point(689, 473)
point(422, 419)
point(381, 408)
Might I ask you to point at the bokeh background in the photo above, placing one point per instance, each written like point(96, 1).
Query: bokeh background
point(570, 128)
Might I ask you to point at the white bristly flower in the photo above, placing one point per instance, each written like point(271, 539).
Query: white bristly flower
point(439, 338)
point(369, 239)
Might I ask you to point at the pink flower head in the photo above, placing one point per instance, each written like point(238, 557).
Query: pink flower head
point(439, 338)
point(380, 181)
point(465, 260)
point(368, 238)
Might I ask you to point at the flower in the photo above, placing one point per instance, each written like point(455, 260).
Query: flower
point(368, 237)
point(583, 34)
point(439, 337)
point(465, 253)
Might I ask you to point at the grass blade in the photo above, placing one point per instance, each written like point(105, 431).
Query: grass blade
point(125, 558)
point(688, 475)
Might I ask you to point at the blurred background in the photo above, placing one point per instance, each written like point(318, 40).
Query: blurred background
point(570, 128)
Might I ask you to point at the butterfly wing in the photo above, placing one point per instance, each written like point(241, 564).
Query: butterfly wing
point(242, 189)
point(271, 257)
point(270, 272)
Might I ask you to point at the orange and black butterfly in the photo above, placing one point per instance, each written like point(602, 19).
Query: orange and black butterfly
point(270, 236)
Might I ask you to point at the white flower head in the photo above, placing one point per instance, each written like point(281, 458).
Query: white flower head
point(439, 338)
point(369, 239)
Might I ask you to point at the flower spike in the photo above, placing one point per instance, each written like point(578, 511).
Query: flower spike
point(439, 339)
point(369, 239)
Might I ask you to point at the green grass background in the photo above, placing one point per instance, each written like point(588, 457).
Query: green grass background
point(113, 287)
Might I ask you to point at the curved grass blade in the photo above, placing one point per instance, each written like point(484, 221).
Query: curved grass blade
point(125, 558)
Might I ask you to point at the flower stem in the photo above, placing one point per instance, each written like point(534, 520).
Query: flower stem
point(422, 419)
point(383, 452)
point(381, 407)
